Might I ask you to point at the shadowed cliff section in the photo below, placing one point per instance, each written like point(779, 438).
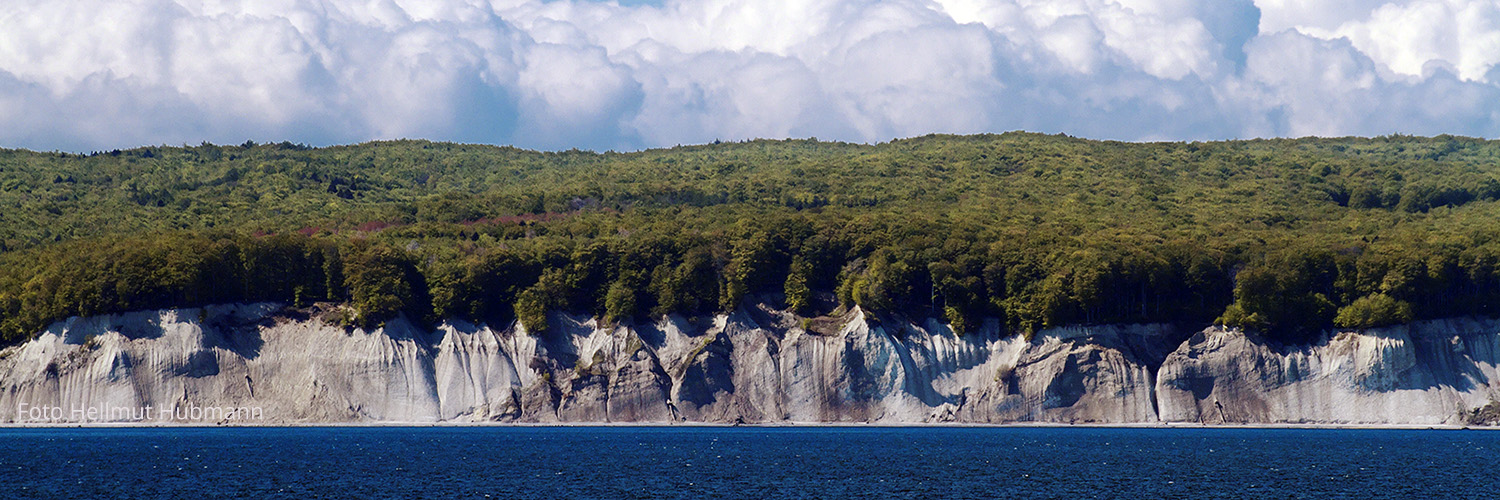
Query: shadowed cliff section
point(1430, 372)
point(757, 365)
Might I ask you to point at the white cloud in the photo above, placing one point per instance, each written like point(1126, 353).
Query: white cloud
point(1408, 37)
point(1321, 16)
point(903, 83)
point(91, 74)
point(1464, 35)
point(1323, 87)
point(716, 95)
point(575, 94)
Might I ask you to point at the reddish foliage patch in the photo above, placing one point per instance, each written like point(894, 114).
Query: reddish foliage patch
point(374, 225)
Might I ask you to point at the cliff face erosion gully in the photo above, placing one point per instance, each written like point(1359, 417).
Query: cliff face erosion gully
point(756, 365)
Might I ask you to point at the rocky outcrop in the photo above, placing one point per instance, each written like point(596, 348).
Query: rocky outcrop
point(757, 365)
point(1433, 372)
point(265, 364)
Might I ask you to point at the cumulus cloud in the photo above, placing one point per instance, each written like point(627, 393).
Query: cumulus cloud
point(1299, 73)
point(96, 74)
point(1411, 37)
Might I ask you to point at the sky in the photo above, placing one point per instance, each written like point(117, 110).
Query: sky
point(83, 75)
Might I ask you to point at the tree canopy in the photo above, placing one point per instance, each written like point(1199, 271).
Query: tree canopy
point(1287, 236)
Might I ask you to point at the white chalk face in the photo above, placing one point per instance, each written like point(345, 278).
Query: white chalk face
point(92, 74)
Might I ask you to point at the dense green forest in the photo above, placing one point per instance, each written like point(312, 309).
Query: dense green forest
point(1286, 236)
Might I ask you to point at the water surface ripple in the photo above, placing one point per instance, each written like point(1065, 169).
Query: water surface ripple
point(744, 462)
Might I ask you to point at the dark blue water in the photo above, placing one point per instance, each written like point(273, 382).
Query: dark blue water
point(694, 463)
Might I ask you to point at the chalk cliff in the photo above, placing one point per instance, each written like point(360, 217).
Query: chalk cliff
point(1432, 372)
point(758, 365)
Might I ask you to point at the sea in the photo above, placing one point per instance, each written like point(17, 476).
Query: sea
point(746, 462)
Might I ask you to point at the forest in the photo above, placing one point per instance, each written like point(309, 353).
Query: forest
point(1287, 237)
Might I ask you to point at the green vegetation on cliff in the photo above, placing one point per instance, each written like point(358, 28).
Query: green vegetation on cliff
point(1288, 236)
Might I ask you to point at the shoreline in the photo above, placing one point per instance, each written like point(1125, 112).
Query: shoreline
point(783, 425)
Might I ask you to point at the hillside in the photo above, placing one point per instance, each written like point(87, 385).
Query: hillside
point(1291, 236)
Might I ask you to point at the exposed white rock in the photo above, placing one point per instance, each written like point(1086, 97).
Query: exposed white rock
point(755, 365)
point(1421, 374)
